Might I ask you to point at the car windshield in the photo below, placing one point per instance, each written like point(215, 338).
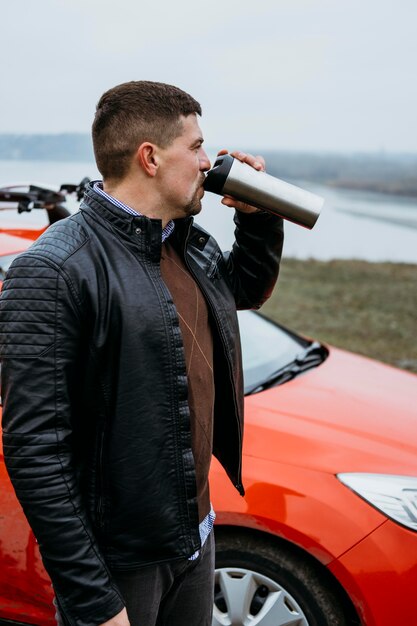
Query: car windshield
point(272, 354)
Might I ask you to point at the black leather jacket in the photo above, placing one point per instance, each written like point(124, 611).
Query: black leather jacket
point(96, 428)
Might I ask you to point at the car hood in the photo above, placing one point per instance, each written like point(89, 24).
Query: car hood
point(350, 414)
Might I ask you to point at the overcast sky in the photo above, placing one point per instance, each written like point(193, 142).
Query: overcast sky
point(283, 74)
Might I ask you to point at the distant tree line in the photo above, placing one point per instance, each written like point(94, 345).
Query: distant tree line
point(61, 147)
point(383, 172)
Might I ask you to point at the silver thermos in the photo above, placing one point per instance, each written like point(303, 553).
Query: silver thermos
point(231, 177)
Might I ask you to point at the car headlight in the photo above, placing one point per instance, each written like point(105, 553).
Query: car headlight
point(395, 496)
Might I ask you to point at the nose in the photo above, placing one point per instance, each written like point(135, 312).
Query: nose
point(204, 161)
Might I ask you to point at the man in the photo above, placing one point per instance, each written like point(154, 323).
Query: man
point(122, 369)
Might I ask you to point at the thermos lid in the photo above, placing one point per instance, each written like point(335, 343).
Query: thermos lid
point(216, 177)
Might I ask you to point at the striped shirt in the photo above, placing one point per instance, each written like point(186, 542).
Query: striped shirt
point(206, 526)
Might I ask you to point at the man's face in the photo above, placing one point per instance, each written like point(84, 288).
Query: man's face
point(181, 173)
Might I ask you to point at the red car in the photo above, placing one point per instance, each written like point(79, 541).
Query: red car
point(327, 532)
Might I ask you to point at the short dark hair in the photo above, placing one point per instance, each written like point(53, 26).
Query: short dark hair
point(134, 112)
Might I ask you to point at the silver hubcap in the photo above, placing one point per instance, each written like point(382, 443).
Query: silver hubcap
point(246, 598)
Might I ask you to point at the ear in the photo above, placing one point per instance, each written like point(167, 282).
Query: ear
point(147, 158)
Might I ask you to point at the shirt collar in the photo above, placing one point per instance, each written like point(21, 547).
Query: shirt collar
point(98, 187)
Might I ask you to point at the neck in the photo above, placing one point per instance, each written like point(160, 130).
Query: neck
point(141, 200)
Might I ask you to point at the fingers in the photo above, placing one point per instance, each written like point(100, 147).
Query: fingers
point(240, 206)
point(228, 201)
point(257, 162)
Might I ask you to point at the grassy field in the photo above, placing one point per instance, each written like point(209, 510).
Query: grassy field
point(370, 308)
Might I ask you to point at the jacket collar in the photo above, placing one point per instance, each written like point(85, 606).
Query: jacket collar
point(101, 208)
point(149, 229)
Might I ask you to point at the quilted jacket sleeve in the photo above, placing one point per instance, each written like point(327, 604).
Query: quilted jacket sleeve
point(253, 264)
point(37, 309)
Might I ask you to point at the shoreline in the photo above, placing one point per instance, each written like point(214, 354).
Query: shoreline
point(371, 187)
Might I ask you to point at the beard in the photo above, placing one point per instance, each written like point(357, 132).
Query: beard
point(193, 207)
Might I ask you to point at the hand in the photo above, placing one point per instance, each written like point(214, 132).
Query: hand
point(121, 619)
point(258, 163)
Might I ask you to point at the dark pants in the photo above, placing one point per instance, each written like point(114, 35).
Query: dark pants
point(172, 594)
point(179, 593)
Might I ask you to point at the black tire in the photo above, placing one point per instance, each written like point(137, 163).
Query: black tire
point(281, 585)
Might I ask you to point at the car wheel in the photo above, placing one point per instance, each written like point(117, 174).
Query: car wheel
point(264, 583)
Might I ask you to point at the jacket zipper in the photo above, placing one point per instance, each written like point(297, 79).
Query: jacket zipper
point(164, 293)
point(100, 508)
point(238, 485)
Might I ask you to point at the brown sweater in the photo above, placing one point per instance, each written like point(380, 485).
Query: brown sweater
point(198, 347)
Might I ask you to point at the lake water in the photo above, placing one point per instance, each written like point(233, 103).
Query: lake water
point(353, 224)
